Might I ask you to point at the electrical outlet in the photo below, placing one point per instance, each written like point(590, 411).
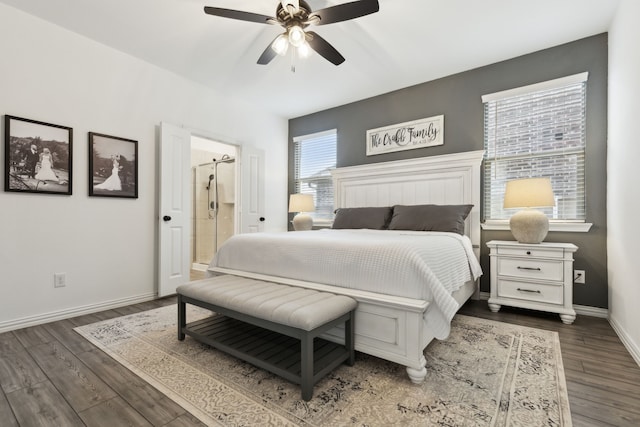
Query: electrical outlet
point(59, 280)
point(578, 276)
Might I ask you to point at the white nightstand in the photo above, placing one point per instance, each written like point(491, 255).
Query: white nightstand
point(535, 276)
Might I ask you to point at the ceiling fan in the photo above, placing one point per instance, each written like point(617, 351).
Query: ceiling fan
point(295, 16)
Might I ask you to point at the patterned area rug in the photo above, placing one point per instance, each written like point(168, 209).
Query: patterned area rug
point(485, 374)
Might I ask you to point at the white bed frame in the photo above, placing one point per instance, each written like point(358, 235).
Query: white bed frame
point(393, 328)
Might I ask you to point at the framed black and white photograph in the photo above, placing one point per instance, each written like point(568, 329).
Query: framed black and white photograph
point(38, 156)
point(113, 166)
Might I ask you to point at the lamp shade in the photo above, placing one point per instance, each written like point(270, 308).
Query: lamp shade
point(529, 193)
point(301, 203)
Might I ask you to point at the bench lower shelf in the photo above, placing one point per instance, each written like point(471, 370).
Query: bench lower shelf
point(272, 351)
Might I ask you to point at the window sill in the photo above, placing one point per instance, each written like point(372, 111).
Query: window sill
point(322, 223)
point(571, 227)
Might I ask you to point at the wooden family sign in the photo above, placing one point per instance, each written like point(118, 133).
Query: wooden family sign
point(406, 136)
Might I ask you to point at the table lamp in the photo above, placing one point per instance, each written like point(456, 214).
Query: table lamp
point(529, 225)
point(301, 203)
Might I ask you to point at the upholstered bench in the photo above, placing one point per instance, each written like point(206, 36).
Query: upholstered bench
point(270, 325)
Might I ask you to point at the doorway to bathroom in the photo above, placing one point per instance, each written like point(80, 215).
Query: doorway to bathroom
point(214, 185)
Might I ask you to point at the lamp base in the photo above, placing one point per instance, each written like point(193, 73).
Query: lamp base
point(302, 222)
point(529, 226)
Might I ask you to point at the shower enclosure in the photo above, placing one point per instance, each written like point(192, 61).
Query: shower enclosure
point(214, 207)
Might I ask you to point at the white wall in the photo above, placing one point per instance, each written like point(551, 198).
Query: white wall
point(623, 202)
point(105, 246)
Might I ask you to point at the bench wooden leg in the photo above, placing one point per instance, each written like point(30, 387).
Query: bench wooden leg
point(349, 332)
point(306, 367)
point(182, 318)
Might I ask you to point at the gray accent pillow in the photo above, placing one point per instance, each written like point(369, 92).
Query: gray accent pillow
point(449, 218)
point(375, 218)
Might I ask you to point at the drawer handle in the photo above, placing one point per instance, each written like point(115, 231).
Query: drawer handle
point(529, 290)
point(530, 268)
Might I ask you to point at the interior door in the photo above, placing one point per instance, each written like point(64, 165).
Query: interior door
point(174, 208)
point(252, 176)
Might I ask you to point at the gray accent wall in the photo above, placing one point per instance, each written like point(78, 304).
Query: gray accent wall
point(458, 97)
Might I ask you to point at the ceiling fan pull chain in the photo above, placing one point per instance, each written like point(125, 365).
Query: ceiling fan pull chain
point(294, 54)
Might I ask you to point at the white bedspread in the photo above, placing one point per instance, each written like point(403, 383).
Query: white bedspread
point(422, 265)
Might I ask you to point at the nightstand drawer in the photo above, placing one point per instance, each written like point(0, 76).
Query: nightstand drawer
point(531, 252)
point(531, 269)
point(551, 294)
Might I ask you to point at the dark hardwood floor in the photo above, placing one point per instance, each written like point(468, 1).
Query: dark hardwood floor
point(51, 376)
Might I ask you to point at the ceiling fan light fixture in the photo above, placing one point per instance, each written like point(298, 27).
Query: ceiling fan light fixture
point(297, 36)
point(281, 44)
point(304, 50)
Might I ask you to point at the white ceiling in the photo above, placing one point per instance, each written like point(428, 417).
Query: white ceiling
point(407, 42)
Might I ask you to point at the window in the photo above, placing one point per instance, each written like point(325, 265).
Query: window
point(537, 131)
point(314, 157)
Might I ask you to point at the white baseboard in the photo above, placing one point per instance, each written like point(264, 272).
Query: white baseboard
point(38, 319)
point(586, 310)
point(628, 342)
point(583, 310)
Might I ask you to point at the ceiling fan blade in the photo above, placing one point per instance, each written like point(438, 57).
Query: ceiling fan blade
point(323, 47)
point(346, 11)
point(268, 54)
point(240, 15)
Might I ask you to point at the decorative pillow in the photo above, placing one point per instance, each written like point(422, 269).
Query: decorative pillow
point(374, 218)
point(448, 218)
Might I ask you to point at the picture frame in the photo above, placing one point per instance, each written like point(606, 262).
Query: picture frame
point(113, 166)
point(38, 156)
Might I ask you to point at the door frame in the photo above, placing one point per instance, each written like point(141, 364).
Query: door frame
point(239, 199)
point(240, 225)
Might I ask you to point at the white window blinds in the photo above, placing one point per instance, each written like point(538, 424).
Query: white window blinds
point(537, 131)
point(314, 157)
